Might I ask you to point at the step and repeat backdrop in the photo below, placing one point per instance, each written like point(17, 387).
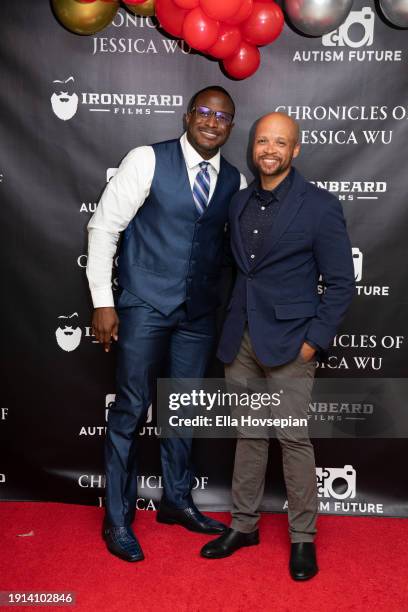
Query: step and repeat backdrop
point(72, 107)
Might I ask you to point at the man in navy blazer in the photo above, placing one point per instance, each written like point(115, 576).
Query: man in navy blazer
point(285, 233)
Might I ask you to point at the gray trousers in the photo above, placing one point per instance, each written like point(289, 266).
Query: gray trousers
point(251, 457)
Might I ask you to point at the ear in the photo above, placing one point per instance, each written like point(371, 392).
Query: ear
point(296, 150)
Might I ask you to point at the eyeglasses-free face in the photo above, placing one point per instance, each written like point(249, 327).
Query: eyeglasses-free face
point(209, 122)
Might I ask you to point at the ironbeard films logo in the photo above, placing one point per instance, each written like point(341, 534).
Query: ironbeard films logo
point(351, 190)
point(69, 335)
point(64, 101)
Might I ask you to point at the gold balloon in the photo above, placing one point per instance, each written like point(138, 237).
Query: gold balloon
point(85, 18)
point(146, 9)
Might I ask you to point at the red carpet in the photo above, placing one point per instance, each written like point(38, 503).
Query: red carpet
point(363, 565)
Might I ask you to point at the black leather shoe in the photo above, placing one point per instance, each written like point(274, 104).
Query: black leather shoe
point(122, 542)
point(228, 543)
point(190, 518)
point(303, 564)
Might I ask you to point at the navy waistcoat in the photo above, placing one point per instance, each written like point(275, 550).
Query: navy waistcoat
point(169, 253)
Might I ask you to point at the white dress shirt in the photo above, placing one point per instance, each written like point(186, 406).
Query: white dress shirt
point(124, 195)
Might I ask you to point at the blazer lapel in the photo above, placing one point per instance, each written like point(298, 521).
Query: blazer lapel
point(288, 210)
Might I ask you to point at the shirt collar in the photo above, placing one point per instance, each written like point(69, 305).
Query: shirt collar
point(268, 196)
point(193, 158)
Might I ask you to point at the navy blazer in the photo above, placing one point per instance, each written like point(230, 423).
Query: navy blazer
point(278, 293)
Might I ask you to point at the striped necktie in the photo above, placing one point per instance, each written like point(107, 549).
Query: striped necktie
point(201, 188)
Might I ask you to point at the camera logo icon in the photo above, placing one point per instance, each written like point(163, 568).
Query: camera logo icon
point(339, 483)
point(358, 264)
point(110, 173)
point(110, 400)
point(363, 21)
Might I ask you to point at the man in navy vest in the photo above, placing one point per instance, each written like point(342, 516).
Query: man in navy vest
point(171, 200)
point(284, 233)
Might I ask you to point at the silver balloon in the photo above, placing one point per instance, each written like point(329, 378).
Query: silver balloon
point(396, 11)
point(317, 17)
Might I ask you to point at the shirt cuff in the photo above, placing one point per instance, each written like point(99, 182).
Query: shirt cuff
point(102, 298)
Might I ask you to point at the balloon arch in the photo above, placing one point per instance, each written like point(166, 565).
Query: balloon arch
point(228, 30)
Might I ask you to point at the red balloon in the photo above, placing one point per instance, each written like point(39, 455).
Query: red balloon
point(170, 16)
point(243, 13)
point(228, 41)
point(244, 62)
point(187, 4)
point(264, 24)
point(220, 9)
point(199, 31)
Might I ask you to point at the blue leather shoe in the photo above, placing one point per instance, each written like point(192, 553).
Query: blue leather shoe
point(190, 518)
point(122, 542)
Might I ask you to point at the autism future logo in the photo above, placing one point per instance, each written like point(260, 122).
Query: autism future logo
point(363, 20)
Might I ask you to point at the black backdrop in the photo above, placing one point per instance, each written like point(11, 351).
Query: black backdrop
point(130, 87)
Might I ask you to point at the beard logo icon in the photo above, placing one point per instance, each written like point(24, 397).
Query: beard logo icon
point(68, 336)
point(63, 101)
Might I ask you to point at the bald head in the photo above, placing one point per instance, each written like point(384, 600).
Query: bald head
point(281, 123)
point(276, 143)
